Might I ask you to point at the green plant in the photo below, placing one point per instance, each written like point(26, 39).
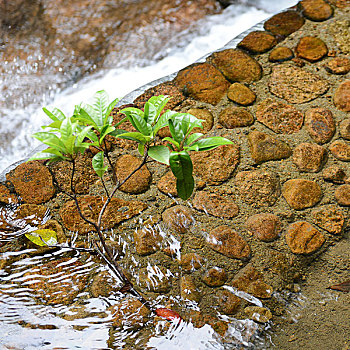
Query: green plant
point(91, 124)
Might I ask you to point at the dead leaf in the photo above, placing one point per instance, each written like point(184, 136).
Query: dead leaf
point(168, 314)
point(343, 287)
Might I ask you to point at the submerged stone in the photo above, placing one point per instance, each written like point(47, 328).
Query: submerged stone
point(215, 277)
point(191, 262)
point(228, 302)
point(334, 174)
point(148, 239)
point(320, 124)
point(344, 129)
point(342, 195)
point(338, 65)
point(178, 218)
point(188, 289)
point(309, 157)
point(258, 314)
point(155, 279)
point(265, 227)
point(330, 218)
point(167, 184)
point(340, 150)
point(342, 96)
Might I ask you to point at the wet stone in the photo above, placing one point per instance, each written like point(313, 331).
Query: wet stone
point(129, 313)
point(340, 150)
point(265, 227)
point(215, 204)
point(342, 96)
point(251, 281)
point(311, 49)
point(6, 196)
point(241, 94)
point(103, 285)
point(344, 129)
point(117, 211)
point(259, 188)
point(338, 65)
point(258, 314)
point(148, 240)
point(320, 124)
point(264, 147)
point(215, 277)
point(206, 116)
point(301, 194)
point(316, 10)
point(342, 195)
point(228, 242)
point(215, 166)
point(235, 117)
point(258, 42)
point(303, 238)
point(281, 54)
point(279, 117)
point(178, 218)
point(191, 262)
point(191, 83)
point(237, 65)
point(167, 184)
point(188, 289)
point(284, 23)
point(33, 182)
point(296, 85)
point(334, 174)
point(309, 157)
point(330, 218)
point(155, 279)
point(138, 182)
point(228, 302)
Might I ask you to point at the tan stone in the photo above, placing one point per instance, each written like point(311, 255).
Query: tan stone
point(191, 262)
point(301, 194)
point(167, 184)
point(340, 150)
point(320, 124)
point(6, 196)
point(303, 238)
point(178, 218)
point(338, 65)
point(215, 277)
point(241, 94)
point(342, 195)
point(215, 205)
point(316, 10)
point(344, 129)
point(334, 174)
point(103, 285)
point(281, 54)
point(155, 279)
point(342, 96)
point(257, 42)
point(147, 240)
point(311, 49)
point(330, 218)
point(264, 147)
point(228, 242)
point(235, 117)
point(258, 314)
point(264, 226)
point(188, 289)
point(206, 116)
point(309, 157)
point(228, 302)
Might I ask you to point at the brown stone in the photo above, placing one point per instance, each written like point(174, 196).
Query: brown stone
point(235, 117)
point(344, 129)
point(32, 214)
point(215, 204)
point(191, 83)
point(6, 196)
point(259, 188)
point(215, 277)
point(303, 238)
point(279, 117)
point(265, 226)
point(103, 285)
point(340, 150)
point(217, 165)
point(237, 65)
point(251, 281)
point(191, 262)
point(130, 313)
point(296, 85)
point(334, 174)
point(228, 242)
point(284, 23)
point(138, 182)
point(155, 279)
point(330, 218)
point(309, 157)
point(264, 147)
point(258, 42)
point(33, 182)
point(241, 94)
point(311, 49)
point(69, 278)
point(342, 195)
point(301, 194)
point(178, 218)
point(118, 210)
point(228, 302)
point(342, 96)
point(167, 184)
point(338, 65)
point(147, 240)
point(258, 314)
point(320, 124)
point(340, 3)
point(281, 54)
point(206, 116)
point(316, 10)
point(188, 289)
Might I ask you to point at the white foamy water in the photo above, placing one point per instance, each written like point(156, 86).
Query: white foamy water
point(212, 33)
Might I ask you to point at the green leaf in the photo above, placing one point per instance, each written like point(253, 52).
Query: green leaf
point(134, 136)
point(140, 124)
point(100, 105)
point(55, 115)
point(141, 148)
point(108, 117)
point(106, 130)
point(182, 168)
point(51, 140)
point(81, 136)
point(211, 143)
point(158, 103)
point(86, 116)
point(163, 121)
point(176, 130)
point(97, 164)
point(43, 237)
point(160, 154)
point(173, 142)
point(193, 137)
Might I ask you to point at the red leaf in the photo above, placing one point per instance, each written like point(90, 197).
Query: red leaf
point(168, 314)
point(343, 287)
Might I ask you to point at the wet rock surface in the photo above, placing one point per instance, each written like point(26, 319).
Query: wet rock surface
point(235, 117)
point(311, 49)
point(258, 42)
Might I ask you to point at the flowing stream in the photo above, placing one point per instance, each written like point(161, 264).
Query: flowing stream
point(24, 323)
